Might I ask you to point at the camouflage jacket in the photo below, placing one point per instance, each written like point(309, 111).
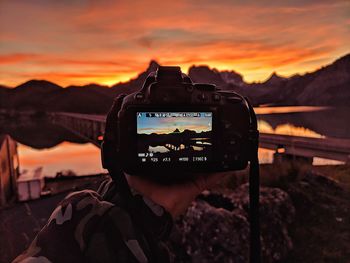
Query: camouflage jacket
point(89, 226)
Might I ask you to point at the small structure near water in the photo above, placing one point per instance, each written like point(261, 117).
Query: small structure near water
point(30, 185)
point(9, 169)
point(25, 186)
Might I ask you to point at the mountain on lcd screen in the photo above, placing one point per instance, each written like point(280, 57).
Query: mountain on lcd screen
point(327, 86)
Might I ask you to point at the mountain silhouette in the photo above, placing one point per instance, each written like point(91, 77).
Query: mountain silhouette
point(204, 74)
point(37, 85)
point(275, 79)
point(136, 83)
point(328, 86)
point(232, 77)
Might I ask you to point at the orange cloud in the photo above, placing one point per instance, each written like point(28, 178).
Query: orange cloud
point(15, 58)
point(73, 43)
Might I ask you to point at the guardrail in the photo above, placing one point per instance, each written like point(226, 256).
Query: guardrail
point(89, 127)
point(329, 148)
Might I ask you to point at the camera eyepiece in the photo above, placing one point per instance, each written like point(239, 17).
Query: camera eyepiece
point(167, 74)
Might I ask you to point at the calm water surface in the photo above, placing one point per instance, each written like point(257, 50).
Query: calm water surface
point(81, 159)
point(317, 122)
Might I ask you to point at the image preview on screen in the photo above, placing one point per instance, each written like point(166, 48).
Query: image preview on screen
point(174, 137)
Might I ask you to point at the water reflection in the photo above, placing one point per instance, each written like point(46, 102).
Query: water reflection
point(158, 149)
point(57, 150)
point(288, 109)
point(266, 156)
point(80, 159)
point(329, 122)
point(287, 129)
point(317, 122)
point(38, 133)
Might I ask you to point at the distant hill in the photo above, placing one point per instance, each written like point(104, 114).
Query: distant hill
point(32, 94)
point(136, 83)
point(3, 95)
point(3, 87)
point(220, 78)
point(329, 85)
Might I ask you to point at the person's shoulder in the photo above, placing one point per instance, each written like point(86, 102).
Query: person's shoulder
point(69, 228)
point(83, 202)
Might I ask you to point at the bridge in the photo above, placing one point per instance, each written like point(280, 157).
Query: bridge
point(328, 148)
point(91, 128)
point(87, 126)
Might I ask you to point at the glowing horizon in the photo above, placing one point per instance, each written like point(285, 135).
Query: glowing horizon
point(106, 42)
point(147, 125)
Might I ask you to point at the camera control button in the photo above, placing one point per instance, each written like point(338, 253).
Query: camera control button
point(189, 88)
point(139, 96)
point(202, 96)
point(216, 97)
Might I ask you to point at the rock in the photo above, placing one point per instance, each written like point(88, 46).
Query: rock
point(216, 227)
point(321, 228)
point(276, 214)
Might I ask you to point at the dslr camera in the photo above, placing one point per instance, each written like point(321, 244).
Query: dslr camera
point(172, 128)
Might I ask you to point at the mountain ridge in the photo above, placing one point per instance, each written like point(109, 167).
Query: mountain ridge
point(329, 85)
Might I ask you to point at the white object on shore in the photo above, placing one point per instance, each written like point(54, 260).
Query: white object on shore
point(30, 184)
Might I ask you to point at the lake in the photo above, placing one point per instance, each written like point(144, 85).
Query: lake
point(41, 143)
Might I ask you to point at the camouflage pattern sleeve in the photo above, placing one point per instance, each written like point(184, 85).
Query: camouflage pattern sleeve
point(91, 226)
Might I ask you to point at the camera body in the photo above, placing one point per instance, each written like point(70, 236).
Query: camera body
point(172, 127)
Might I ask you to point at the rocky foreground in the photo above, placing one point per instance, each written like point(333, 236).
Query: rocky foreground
point(295, 223)
point(303, 219)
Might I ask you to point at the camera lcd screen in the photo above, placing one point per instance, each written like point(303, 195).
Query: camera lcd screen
point(174, 137)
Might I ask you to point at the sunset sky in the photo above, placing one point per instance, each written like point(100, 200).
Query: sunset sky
point(81, 41)
point(146, 125)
